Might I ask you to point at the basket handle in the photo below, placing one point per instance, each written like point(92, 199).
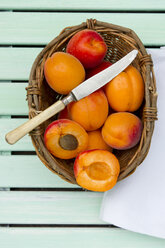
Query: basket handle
point(16, 134)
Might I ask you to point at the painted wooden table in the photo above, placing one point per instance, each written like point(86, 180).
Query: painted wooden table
point(37, 208)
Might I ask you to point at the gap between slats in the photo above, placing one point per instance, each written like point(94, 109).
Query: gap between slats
point(126, 11)
point(59, 226)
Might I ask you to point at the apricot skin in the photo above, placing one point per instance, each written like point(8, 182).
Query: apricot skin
point(63, 114)
point(96, 170)
point(91, 72)
point(91, 111)
point(63, 72)
point(88, 46)
point(126, 91)
point(122, 130)
point(95, 141)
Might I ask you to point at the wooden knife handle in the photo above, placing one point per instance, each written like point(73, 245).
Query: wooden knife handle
point(16, 134)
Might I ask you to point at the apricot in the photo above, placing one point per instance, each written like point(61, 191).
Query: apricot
point(96, 170)
point(126, 91)
point(91, 72)
point(88, 46)
point(64, 114)
point(65, 138)
point(95, 141)
point(122, 130)
point(91, 111)
point(63, 72)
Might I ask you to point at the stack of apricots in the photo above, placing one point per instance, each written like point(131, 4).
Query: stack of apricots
point(90, 129)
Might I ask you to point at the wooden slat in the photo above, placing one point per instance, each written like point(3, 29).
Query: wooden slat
point(23, 144)
point(82, 5)
point(15, 63)
point(40, 28)
point(28, 172)
point(76, 237)
point(44, 207)
point(13, 99)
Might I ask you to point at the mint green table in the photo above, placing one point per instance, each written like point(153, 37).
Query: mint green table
point(37, 208)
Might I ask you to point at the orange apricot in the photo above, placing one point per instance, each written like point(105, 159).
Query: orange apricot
point(126, 91)
point(96, 170)
point(65, 138)
point(122, 130)
point(63, 72)
point(91, 111)
point(95, 141)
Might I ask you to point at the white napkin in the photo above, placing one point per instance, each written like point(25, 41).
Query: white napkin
point(138, 202)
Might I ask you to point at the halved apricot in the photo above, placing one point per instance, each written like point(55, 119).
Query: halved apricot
point(96, 170)
point(65, 138)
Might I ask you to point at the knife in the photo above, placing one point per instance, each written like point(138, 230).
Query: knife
point(82, 90)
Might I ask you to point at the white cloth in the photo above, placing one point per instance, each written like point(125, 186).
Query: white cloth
point(137, 203)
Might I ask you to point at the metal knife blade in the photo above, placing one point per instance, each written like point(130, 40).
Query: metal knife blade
point(100, 79)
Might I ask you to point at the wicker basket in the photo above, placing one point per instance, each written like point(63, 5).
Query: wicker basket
point(119, 41)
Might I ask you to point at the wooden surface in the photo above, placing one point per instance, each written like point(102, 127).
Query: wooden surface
point(37, 208)
point(39, 28)
point(75, 237)
point(71, 5)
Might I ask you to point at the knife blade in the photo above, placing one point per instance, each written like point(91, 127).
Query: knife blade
point(84, 89)
point(100, 79)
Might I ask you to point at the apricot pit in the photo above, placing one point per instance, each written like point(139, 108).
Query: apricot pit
point(68, 142)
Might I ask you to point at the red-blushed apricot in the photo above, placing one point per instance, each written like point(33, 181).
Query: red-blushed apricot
point(88, 46)
point(96, 170)
point(122, 130)
point(126, 91)
point(65, 138)
point(95, 141)
point(63, 72)
point(91, 72)
point(91, 111)
point(64, 114)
